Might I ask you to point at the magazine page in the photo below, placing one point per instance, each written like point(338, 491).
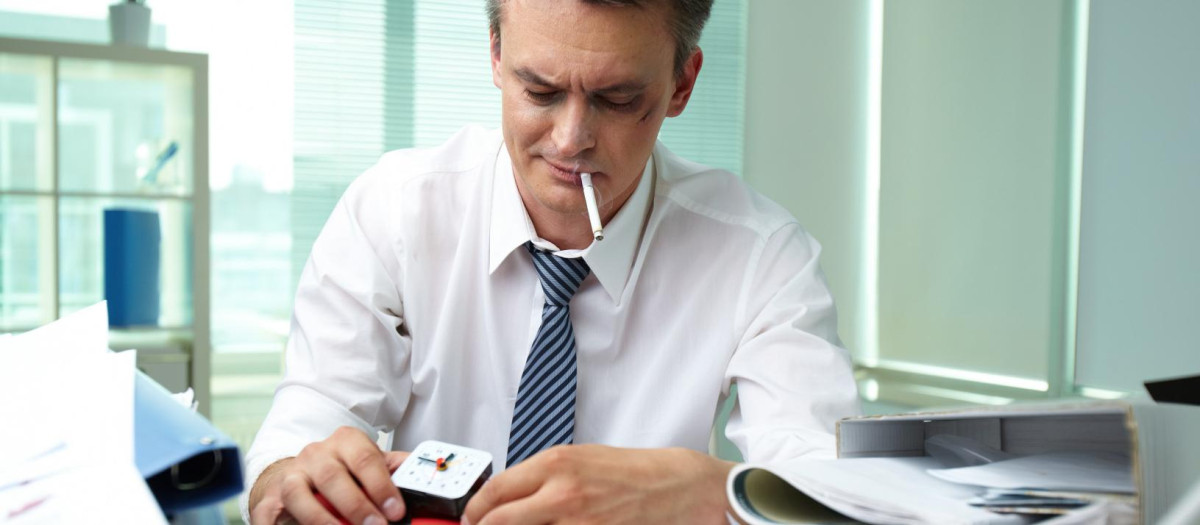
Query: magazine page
point(872, 490)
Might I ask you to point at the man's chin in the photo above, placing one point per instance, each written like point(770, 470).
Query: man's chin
point(565, 208)
point(562, 204)
point(555, 196)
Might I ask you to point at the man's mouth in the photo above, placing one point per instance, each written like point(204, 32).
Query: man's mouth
point(568, 173)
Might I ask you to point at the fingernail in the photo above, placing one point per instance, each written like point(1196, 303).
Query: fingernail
point(374, 520)
point(392, 509)
point(465, 521)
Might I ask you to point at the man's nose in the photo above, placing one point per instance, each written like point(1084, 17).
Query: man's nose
point(573, 129)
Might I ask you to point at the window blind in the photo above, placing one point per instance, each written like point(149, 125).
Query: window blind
point(340, 107)
point(453, 86)
point(710, 129)
point(971, 218)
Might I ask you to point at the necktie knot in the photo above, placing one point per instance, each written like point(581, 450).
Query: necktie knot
point(560, 276)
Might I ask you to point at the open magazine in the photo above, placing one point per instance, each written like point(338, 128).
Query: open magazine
point(873, 490)
point(898, 490)
point(1050, 463)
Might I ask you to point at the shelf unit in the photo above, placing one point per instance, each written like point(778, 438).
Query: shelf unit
point(80, 127)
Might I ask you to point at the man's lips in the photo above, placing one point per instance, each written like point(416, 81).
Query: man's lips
point(568, 174)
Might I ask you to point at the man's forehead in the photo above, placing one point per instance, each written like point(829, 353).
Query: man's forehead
point(605, 48)
point(585, 26)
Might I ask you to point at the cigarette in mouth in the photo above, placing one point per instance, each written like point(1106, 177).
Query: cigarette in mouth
point(589, 197)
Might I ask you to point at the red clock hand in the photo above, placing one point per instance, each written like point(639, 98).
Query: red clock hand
point(441, 462)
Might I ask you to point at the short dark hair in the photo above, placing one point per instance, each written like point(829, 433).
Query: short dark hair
point(687, 21)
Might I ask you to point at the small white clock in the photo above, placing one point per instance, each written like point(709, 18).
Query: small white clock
point(437, 478)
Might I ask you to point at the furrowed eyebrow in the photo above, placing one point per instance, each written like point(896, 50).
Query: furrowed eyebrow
point(533, 78)
point(624, 88)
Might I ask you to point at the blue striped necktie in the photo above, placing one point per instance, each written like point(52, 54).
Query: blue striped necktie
point(544, 415)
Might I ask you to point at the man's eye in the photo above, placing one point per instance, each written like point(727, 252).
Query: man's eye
point(541, 97)
point(620, 105)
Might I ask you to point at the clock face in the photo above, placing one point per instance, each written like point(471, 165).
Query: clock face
point(441, 469)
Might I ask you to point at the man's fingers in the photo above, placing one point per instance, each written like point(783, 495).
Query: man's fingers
point(394, 459)
point(369, 466)
point(268, 510)
point(534, 509)
point(348, 498)
point(351, 472)
point(266, 493)
point(512, 484)
point(300, 502)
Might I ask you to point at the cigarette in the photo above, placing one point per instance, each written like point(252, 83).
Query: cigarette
point(589, 197)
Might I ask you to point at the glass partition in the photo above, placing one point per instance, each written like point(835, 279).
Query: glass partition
point(124, 128)
point(26, 136)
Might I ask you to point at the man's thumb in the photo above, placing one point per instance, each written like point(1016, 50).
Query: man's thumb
point(394, 459)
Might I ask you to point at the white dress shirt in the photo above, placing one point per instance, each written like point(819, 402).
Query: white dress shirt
point(417, 309)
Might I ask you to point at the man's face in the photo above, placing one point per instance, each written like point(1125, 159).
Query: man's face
point(585, 88)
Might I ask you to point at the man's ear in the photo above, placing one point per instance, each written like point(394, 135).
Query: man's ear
point(494, 37)
point(685, 83)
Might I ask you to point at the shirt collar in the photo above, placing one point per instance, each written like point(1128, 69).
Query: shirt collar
point(611, 260)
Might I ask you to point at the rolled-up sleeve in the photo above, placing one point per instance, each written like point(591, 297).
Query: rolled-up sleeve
point(347, 354)
point(794, 379)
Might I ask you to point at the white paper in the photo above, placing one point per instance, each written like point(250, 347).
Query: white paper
point(880, 490)
point(87, 400)
point(102, 492)
point(187, 399)
point(64, 376)
point(1081, 471)
point(22, 445)
point(79, 333)
point(66, 443)
point(55, 461)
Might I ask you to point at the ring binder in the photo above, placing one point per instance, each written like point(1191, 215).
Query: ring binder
point(193, 485)
point(186, 461)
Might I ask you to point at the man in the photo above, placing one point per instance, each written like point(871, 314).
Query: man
point(457, 294)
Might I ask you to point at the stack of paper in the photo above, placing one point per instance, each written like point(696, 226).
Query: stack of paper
point(1053, 483)
point(66, 427)
point(1080, 471)
point(1079, 486)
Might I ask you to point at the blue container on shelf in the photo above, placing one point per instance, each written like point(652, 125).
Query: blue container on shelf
point(132, 241)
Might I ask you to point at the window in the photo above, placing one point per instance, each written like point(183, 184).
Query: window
point(973, 174)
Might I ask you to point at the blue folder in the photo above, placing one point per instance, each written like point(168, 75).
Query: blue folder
point(186, 461)
point(132, 244)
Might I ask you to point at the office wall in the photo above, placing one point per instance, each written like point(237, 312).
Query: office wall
point(973, 202)
point(806, 115)
point(1139, 283)
point(987, 87)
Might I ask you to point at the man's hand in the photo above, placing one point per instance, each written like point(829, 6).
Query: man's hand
point(599, 484)
point(347, 469)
